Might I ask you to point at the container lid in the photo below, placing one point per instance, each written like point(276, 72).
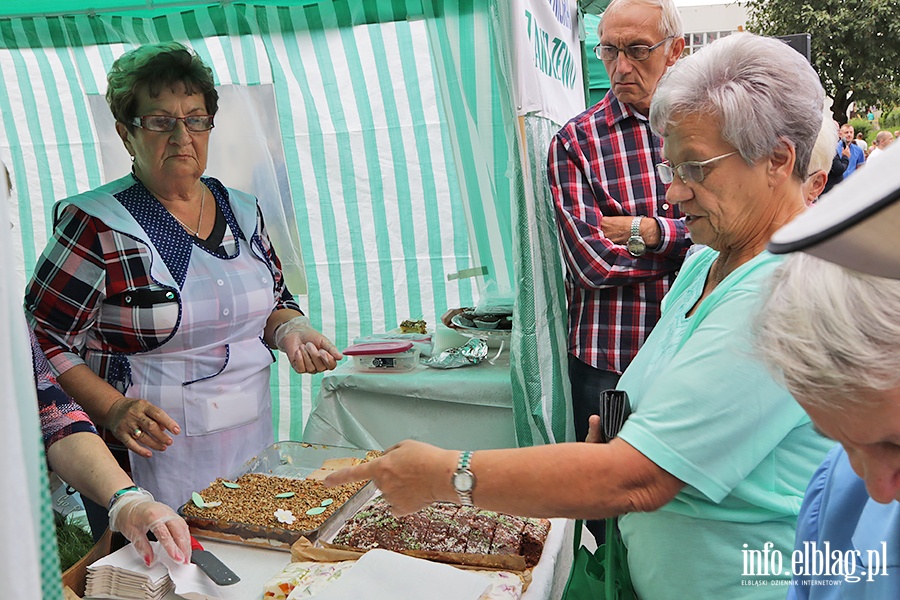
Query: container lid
point(378, 348)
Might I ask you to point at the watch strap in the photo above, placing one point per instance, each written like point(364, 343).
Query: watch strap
point(636, 227)
point(462, 467)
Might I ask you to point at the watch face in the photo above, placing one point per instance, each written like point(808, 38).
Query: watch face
point(463, 481)
point(636, 246)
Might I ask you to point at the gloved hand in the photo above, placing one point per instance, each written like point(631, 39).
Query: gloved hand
point(135, 513)
point(308, 350)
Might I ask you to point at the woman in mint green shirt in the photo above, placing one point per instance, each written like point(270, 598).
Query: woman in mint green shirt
point(709, 470)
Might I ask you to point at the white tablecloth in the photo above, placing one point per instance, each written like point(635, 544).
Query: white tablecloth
point(255, 566)
point(467, 408)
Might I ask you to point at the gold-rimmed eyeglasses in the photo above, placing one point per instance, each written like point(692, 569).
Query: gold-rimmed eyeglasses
point(689, 170)
point(637, 52)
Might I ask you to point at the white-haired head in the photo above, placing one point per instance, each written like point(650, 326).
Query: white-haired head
point(761, 92)
point(830, 332)
point(669, 22)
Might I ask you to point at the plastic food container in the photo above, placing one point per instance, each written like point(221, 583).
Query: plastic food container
point(384, 357)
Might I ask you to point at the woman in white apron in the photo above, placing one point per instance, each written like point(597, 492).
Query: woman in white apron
point(159, 296)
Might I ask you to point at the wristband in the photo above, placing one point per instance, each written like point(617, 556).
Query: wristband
point(129, 490)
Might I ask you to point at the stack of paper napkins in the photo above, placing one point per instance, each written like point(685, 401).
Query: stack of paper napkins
point(123, 575)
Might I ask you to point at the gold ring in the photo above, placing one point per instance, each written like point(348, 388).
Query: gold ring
point(137, 433)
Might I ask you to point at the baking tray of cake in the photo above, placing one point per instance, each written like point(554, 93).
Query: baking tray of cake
point(441, 532)
point(276, 497)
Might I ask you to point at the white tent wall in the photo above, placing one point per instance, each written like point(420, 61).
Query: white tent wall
point(28, 552)
point(396, 161)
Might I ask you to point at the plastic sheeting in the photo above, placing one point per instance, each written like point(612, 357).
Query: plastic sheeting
point(394, 156)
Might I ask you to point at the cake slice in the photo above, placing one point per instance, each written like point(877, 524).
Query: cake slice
point(482, 525)
point(443, 516)
point(534, 534)
point(508, 535)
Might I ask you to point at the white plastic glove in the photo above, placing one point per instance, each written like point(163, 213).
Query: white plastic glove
point(308, 350)
point(135, 513)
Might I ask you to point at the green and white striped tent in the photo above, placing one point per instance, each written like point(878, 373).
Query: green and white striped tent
point(397, 156)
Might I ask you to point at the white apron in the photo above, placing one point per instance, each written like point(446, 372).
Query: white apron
point(218, 392)
point(212, 375)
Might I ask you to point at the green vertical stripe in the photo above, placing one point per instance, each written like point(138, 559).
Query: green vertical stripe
point(206, 18)
point(374, 174)
point(500, 128)
point(286, 119)
point(260, 18)
point(88, 146)
point(460, 240)
point(469, 169)
point(141, 36)
point(60, 144)
point(401, 176)
point(194, 32)
point(313, 120)
point(163, 28)
point(423, 150)
point(32, 124)
point(317, 21)
point(11, 119)
point(74, 41)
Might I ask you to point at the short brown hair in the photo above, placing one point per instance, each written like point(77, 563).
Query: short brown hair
point(151, 67)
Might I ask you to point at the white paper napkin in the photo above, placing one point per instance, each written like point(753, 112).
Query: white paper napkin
point(386, 575)
point(190, 582)
point(123, 574)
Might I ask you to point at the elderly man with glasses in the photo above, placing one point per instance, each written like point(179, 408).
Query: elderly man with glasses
point(622, 242)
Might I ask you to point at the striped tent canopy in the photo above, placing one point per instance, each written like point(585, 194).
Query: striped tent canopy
point(389, 122)
point(380, 136)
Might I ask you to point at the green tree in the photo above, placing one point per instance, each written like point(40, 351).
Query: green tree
point(855, 45)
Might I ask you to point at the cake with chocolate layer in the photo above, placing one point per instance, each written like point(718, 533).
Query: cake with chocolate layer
point(445, 528)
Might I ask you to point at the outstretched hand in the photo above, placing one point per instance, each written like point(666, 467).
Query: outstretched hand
point(308, 350)
point(410, 475)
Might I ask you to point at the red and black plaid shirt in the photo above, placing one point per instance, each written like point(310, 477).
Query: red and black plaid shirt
point(602, 163)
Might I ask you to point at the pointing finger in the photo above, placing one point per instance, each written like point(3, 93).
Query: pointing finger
point(350, 474)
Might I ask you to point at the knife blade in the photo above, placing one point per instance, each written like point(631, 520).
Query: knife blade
point(214, 568)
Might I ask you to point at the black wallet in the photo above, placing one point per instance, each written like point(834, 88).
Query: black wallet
point(614, 411)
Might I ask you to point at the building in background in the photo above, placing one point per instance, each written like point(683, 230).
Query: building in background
point(706, 21)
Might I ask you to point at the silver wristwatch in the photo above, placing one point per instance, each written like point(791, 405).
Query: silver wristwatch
point(464, 479)
point(635, 244)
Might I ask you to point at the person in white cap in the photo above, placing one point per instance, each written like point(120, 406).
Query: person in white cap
point(831, 328)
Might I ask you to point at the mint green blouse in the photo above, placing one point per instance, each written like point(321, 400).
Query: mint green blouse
point(707, 411)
